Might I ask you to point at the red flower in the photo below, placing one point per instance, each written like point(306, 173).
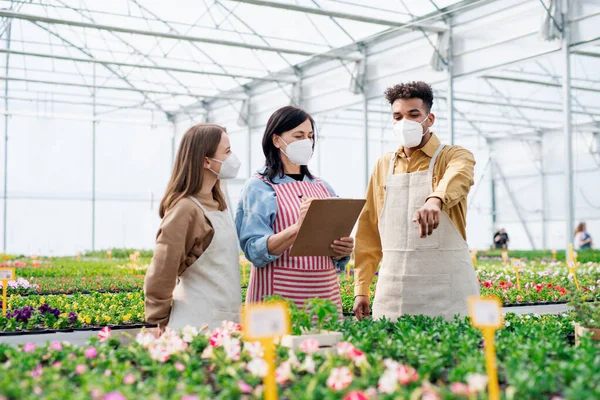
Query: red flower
point(550, 285)
point(487, 284)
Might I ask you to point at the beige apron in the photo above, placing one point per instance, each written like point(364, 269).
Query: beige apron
point(432, 276)
point(209, 290)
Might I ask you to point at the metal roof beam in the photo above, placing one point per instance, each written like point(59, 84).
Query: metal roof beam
point(166, 35)
point(161, 68)
point(540, 83)
point(128, 89)
point(342, 15)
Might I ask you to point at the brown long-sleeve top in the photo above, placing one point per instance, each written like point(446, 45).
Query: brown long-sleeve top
point(184, 234)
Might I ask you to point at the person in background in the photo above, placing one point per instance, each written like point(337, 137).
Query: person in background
point(271, 210)
point(194, 276)
point(414, 220)
point(501, 239)
point(583, 240)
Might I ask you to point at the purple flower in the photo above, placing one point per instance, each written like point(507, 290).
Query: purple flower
point(72, 318)
point(90, 353)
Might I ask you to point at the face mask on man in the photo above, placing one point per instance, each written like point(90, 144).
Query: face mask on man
point(410, 133)
point(299, 152)
point(229, 168)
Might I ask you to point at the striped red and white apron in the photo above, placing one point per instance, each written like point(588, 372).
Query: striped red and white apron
point(295, 278)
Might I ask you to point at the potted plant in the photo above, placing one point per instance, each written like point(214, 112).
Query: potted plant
point(317, 320)
point(587, 316)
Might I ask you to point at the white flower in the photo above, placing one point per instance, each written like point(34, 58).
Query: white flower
point(145, 339)
point(258, 367)
point(292, 359)
point(308, 365)
point(477, 382)
point(232, 348)
point(189, 333)
point(207, 353)
point(283, 373)
point(388, 382)
point(159, 353)
point(339, 378)
point(507, 324)
point(254, 349)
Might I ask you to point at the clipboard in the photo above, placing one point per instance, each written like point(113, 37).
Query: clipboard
point(326, 220)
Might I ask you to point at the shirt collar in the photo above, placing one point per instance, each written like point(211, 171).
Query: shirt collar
point(286, 179)
point(429, 148)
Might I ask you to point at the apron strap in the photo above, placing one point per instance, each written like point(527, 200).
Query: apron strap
point(433, 160)
point(198, 204)
point(392, 164)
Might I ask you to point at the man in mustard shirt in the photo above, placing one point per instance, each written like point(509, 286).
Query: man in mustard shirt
point(414, 220)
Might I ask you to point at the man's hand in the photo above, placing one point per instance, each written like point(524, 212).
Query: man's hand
point(428, 216)
point(361, 307)
point(344, 247)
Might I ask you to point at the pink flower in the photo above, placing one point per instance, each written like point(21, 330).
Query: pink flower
point(56, 346)
point(159, 353)
point(283, 373)
point(145, 339)
point(80, 369)
point(90, 353)
point(460, 389)
point(244, 387)
point(358, 357)
point(407, 375)
point(104, 334)
point(309, 346)
point(114, 396)
point(179, 366)
point(231, 327)
point(108, 372)
point(355, 395)
point(29, 348)
point(37, 391)
point(129, 379)
point(37, 371)
point(57, 365)
point(345, 348)
point(190, 397)
point(339, 378)
point(219, 334)
point(96, 394)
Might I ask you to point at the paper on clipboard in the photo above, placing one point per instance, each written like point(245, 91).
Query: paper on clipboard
point(326, 220)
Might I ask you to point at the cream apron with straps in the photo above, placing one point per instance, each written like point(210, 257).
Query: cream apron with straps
point(209, 290)
point(432, 276)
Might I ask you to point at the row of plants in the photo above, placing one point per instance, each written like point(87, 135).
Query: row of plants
point(71, 284)
point(69, 267)
point(413, 358)
point(96, 309)
point(587, 255)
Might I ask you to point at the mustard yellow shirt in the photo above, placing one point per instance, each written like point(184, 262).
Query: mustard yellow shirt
point(452, 180)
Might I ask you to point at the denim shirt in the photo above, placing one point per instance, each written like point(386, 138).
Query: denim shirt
point(255, 218)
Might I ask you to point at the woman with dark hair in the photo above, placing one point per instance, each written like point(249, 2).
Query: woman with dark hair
point(272, 208)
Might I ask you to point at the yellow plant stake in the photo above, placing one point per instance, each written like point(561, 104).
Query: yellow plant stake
point(109, 254)
point(486, 315)
point(132, 259)
point(572, 266)
point(516, 263)
point(570, 256)
point(554, 255)
point(505, 258)
point(474, 257)
point(78, 256)
point(265, 322)
point(6, 274)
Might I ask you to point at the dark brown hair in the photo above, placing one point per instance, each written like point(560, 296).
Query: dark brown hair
point(580, 227)
point(283, 120)
point(411, 90)
point(199, 142)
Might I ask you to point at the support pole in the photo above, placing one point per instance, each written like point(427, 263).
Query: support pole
point(172, 119)
point(5, 194)
point(566, 88)
point(94, 162)
point(366, 119)
point(450, 98)
point(543, 194)
point(492, 187)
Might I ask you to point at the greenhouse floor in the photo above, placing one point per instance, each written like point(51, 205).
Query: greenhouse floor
point(80, 338)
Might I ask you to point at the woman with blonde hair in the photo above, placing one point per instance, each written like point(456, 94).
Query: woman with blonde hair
point(194, 276)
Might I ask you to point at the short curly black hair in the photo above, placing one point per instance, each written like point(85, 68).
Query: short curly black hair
point(411, 90)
